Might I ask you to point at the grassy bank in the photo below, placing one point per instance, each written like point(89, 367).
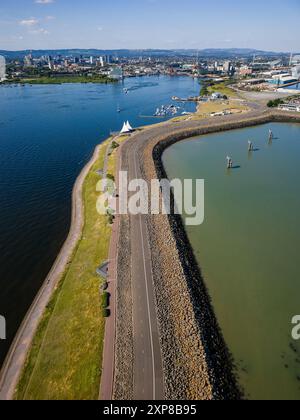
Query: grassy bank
point(224, 89)
point(207, 108)
point(65, 359)
point(62, 80)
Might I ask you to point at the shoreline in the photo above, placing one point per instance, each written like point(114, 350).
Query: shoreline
point(16, 358)
point(57, 81)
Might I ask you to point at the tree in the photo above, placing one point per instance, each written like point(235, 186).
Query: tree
point(204, 91)
point(275, 103)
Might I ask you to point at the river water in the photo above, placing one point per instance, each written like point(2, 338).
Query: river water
point(248, 248)
point(47, 134)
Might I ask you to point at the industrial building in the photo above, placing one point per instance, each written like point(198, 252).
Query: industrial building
point(296, 72)
point(282, 79)
point(295, 59)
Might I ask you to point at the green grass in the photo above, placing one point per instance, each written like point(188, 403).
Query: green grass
point(222, 88)
point(65, 359)
point(206, 108)
point(44, 80)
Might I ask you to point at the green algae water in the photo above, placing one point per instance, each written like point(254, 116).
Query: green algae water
point(248, 248)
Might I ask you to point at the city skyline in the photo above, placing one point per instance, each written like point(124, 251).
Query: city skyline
point(57, 24)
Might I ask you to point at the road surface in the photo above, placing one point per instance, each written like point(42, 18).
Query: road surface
point(148, 372)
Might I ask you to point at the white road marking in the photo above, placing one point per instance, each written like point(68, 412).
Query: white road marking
point(147, 294)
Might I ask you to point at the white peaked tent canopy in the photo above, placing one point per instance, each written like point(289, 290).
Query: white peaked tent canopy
point(129, 126)
point(126, 128)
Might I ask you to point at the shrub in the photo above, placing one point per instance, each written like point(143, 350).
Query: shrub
point(114, 145)
point(111, 177)
point(111, 218)
point(105, 300)
point(204, 91)
point(275, 103)
point(105, 313)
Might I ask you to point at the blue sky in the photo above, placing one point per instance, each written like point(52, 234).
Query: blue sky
point(46, 24)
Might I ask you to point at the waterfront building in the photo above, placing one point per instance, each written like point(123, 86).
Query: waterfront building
point(227, 66)
point(275, 63)
point(289, 107)
point(245, 71)
point(282, 79)
point(101, 60)
point(216, 95)
point(2, 68)
point(28, 62)
point(116, 73)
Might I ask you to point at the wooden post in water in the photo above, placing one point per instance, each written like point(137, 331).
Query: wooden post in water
point(229, 162)
point(270, 135)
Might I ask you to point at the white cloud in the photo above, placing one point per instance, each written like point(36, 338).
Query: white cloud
point(17, 37)
point(40, 31)
point(29, 22)
point(50, 17)
point(100, 29)
point(44, 1)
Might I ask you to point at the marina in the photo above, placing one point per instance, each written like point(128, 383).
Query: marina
point(164, 111)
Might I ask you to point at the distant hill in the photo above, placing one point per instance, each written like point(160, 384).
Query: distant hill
point(209, 52)
point(236, 52)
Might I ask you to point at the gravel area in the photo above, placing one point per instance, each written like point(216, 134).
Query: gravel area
point(123, 380)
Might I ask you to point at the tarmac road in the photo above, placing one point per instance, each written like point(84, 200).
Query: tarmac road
point(148, 373)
